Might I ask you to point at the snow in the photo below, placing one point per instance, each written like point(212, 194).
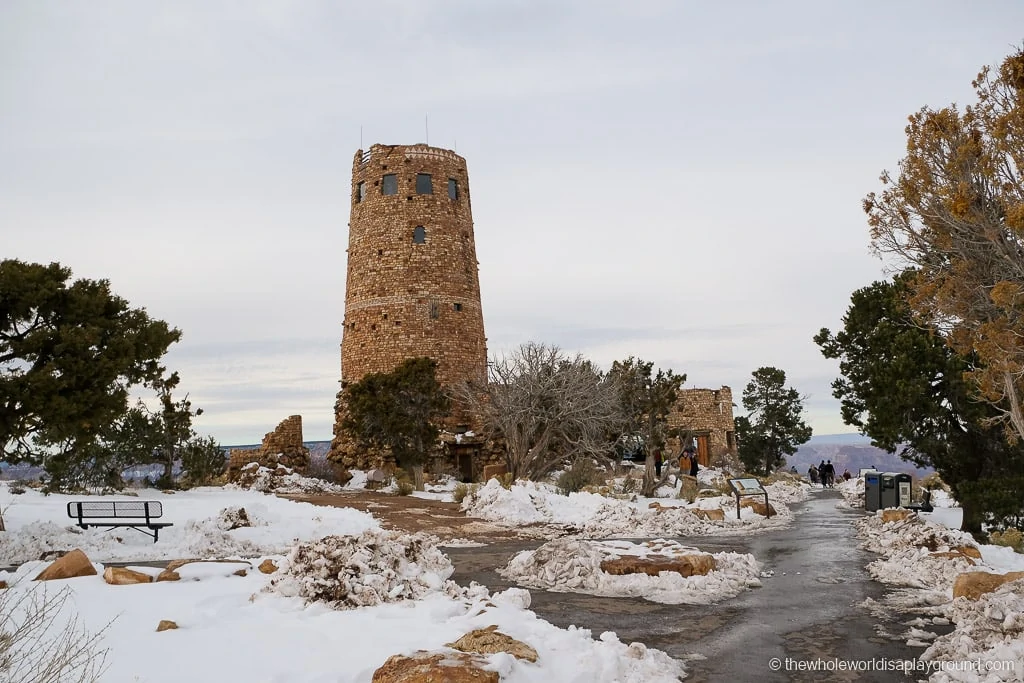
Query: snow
point(236, 628)
point(37, 524)
point(571, 565)
point(591, 515)
point(987, 643)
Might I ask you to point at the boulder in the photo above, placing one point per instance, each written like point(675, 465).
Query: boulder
point(895, 515)
point(268, 567)
point(968, 550)
point(972, 585)
point(652, 565)
point(168, 575)
point(377, 476)
point(426, 667)
point(3, 585)
point(488, 641)
point(655, 505)
point(712, 515)
point(166, 625)
point(953, 555)
point(758, 507)
point(119, 576)
point(491, 471)
point(240, 572)
point(75, 563)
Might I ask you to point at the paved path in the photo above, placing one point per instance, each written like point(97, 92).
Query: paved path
point(806, 611)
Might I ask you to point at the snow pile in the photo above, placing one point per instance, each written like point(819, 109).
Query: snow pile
point(569, 565)
point(989, 634)
point(369, 569)
point(853, 492)
point(255, 477)
point(595, 516)
point(914, 552)
point(787, 491)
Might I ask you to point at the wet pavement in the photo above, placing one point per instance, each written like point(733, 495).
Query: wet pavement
point(807, 614)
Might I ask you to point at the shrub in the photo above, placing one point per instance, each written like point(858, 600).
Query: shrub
point(1011, 538)
point(582, 473)
point(31, 651)
point(405, 487)
point(16, 487)
point(630, 485)
point(463, 490)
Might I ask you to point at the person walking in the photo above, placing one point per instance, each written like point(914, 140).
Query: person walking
point(657, 462)
point(693, 462)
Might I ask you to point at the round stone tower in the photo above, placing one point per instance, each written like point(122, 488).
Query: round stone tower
point(412, 287)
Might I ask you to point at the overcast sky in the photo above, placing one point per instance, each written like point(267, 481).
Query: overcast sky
point(678, 181)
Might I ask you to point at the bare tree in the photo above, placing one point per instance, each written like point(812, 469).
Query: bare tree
point(545, 407)
point(955, 214)
point(33, 651)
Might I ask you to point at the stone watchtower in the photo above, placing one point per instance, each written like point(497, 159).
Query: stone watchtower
point(412, 287)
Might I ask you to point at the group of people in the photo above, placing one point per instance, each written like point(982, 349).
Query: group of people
point(825, 473)
point(687, 461)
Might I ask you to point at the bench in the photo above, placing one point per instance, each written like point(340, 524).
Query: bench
point(134, 514)
point(749, 487)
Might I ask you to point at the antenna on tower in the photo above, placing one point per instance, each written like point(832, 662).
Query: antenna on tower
point(360, 137)
point(426, 127)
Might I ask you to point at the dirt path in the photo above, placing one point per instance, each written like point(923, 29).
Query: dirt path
point(408, 513)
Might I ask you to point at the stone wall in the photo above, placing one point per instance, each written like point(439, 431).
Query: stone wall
point(282, 446)
point(707, 413)
point(412, 287)
point(407, 293)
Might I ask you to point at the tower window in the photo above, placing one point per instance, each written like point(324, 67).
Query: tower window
point(360, 191)
point(419, 235)
point(435, 310)
point(453, 188)
point(457, 307)
point(424, 184)
point(389, 184)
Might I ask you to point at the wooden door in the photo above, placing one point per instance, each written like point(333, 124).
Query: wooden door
point(702, 450)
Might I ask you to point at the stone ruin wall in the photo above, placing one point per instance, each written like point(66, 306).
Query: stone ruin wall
point(706, 412)
point(283, 446)
point(404, 298)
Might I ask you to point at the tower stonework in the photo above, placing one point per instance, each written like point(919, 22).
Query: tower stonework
point(412, 287)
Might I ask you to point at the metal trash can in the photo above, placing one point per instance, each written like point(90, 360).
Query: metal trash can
point(888, 493)
point(904, 489)
point(872, 491)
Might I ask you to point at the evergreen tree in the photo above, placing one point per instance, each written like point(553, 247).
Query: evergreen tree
point(69, 354)
point(398, 411)
point(908, 390)
point(774, 428)
point(646, 398)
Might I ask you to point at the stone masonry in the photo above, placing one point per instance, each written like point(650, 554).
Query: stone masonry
point(282, 446)
point(707, 414)
point(412, 287)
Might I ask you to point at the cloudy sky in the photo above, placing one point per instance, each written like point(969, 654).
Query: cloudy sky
point(679, 181)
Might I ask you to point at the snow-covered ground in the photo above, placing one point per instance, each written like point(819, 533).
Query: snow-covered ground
point(233, 628)
point(570, 565)
point(299, 624)
point(920, 558)
point(37, 524)
point(591, 515)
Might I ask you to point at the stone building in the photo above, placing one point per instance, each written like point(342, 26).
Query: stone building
point(707, 415)
point(412, 287)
